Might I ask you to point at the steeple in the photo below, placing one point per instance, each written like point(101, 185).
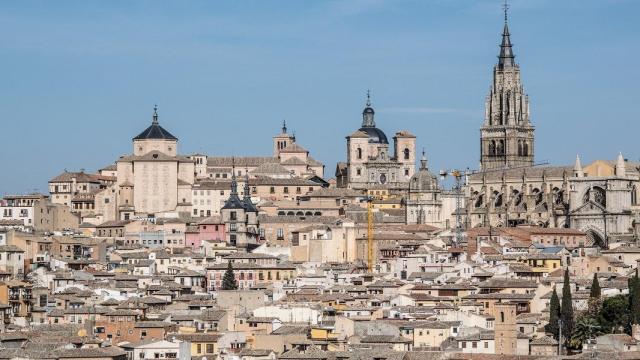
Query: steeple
point(621, 168)
point(506, 57)
point(577, 168)
point(248, 204)
point(507, 135)
point(247, 196)
point(367, 113)
point(234, 183)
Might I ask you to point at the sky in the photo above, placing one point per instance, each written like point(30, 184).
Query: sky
point(79, 79)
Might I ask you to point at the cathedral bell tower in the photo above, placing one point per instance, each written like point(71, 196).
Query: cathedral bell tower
point(507, 136)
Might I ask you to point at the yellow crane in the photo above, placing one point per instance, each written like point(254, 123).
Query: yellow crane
point(370, 234)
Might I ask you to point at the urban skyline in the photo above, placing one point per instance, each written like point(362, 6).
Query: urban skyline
point(415, 83)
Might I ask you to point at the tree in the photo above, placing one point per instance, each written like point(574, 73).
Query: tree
point(614, 315)
point(634, 299)
point(566, 309)
point(595, 297)
point(554, 315)
point(229, 279)
point(586, 328)
point(595, 287)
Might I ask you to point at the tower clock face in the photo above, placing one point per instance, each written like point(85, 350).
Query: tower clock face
point(383, 178)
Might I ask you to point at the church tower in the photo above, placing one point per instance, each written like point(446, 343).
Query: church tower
point(507, 136)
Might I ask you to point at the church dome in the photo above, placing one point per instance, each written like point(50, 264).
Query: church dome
point(376, 136)
point(155, 131)
point(423, 180)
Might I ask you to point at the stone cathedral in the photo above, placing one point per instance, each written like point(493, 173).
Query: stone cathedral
point(600, 199)
point(507, 138)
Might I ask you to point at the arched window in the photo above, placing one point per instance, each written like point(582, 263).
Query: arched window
point(502, 316)
point(492, 148)
point(359, 153)
point(500, 148)
point(634, 195)
point(406, 154)
point(525, 149)
point(520, 153)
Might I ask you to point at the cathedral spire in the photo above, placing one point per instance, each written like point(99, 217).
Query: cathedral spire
point(367, 113)
point(155, 115)
point(506, 57)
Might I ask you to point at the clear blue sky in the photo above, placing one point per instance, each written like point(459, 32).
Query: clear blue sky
point(79, 78)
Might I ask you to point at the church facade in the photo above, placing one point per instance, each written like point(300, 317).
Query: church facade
point(370, 161)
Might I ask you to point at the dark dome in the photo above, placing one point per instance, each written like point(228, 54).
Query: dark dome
point(376, 136)
point(155, 132)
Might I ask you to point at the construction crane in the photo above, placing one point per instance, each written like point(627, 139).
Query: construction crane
point(458, 176)
point(370, 234)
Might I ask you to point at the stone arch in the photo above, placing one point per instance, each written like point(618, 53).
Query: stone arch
point(317, 213)
point(500, 149)
point(359, 153)
point(634, 195)
point(406, 153)
point(595, 237)
point(290, 213)
point(525, 148)
point(492, 148)
point(299, 213)
point(308, 213)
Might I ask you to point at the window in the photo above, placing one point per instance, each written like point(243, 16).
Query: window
point(199, 348)
point(233, 215)
point(280, 233)
point(358, 172)
point(406, 154)
point(359, 153)
point(486, 344)
point(209, 348)
point(474, 344)
point(272, 190)
point(106, 200)
point(286, 190)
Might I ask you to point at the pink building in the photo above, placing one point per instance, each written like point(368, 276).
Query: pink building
point(211, 228)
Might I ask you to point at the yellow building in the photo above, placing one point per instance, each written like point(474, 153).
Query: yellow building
point(201, 344)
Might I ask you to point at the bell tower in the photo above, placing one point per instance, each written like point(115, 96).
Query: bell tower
point(507, 136)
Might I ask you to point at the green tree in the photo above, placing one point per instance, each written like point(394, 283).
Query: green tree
point(595, 287)
point(595, 297)
point(554, 315)
point(229, 279)
point(634, 299)
point(614, 315)
point(586, 328)
point(566, 309)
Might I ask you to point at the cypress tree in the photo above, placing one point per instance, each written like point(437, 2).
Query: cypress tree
point(634, 299)
point(595, 297)
point(554, 315)
point(229, 279)
point(566, 310)
point(595, 288)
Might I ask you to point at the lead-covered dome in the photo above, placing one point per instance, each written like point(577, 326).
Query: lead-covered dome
point(376, 136)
